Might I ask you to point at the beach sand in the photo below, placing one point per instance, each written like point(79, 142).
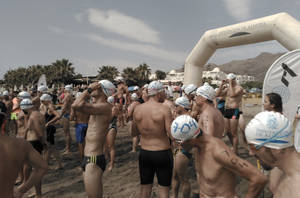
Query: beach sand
point(123, 181)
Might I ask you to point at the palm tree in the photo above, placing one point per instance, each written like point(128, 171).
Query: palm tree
point(107, 72)
point(160, 75)
point(143, 71)
point(64, 72)
point(130, 75)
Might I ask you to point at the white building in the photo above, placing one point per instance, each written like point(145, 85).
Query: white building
point(174, 76)
point(216, 76)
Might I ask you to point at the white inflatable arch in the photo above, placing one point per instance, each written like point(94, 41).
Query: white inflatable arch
point(281, 27)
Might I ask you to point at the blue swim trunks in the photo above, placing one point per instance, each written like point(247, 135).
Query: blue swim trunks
point(80, 132)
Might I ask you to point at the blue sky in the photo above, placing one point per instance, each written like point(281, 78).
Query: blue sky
point(124, 33)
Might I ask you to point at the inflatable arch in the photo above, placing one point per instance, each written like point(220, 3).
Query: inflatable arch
point(281, 27)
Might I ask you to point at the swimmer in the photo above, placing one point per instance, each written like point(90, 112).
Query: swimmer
point(112, 133)
point(65, 116)
point(100, 112)
point(35, 135)
point(51, 116)
point(182, 157)
point(216, 166)
point(135, 102)
point(152, 120)
point(16, 153)
point(234, 95)
point(270, 139)
point(81, 125)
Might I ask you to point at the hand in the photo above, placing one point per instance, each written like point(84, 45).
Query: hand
point(94, 86)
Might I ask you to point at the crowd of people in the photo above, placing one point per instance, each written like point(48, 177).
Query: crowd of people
point(168, 131)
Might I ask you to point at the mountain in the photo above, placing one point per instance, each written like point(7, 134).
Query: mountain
point(256, 67)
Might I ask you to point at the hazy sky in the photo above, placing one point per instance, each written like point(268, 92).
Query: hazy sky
point(92, 33)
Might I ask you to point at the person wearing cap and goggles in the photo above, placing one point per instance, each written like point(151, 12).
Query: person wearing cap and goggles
point(234, 93)
point(100, 111)
point(65, 116)
point(216, 164)
point(152, 120)
point(35, 134)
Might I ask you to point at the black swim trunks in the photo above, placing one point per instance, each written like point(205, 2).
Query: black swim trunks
point(232, 113)
point(98, 160)
point(156, 162)
point(51, 130)
point(37, 145)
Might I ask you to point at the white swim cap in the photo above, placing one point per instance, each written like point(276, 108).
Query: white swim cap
point(42, 89)
point(5, 93)
point(26, 104)
point(111, 100)
point(183, 102)
point(23, 95)
point(216, 89)
point(68, 87)
point(135, 88)
point(190, 89)
point(231, 76)
point(119, 79)
point(108, 87)
point(184, 127)
point(154, 87)
point(270, 129)
point(145, 86)
point(46, 97)
point(207, 92)
point(134, 96)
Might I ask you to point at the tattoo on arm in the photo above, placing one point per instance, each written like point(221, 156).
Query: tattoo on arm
point(234, 160)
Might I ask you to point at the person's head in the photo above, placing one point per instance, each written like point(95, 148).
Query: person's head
point(107, 89)
point(267, 134)
point(68, 88)
point(23, 95)
point(182, 105)
point(46, 99)
point(184, 127)
point(134, 97)
point(26, 105)
point(190, 91)
point(42, 89)
point(231, 77)
point(205, 94)
point(156, 90)
point(273, 102)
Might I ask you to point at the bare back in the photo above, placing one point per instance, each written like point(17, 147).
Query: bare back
point(150, 119)
point(211, 122)
point(36, 126)
point(67, 102)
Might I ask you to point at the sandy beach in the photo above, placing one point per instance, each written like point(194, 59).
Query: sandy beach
point(123, 180)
